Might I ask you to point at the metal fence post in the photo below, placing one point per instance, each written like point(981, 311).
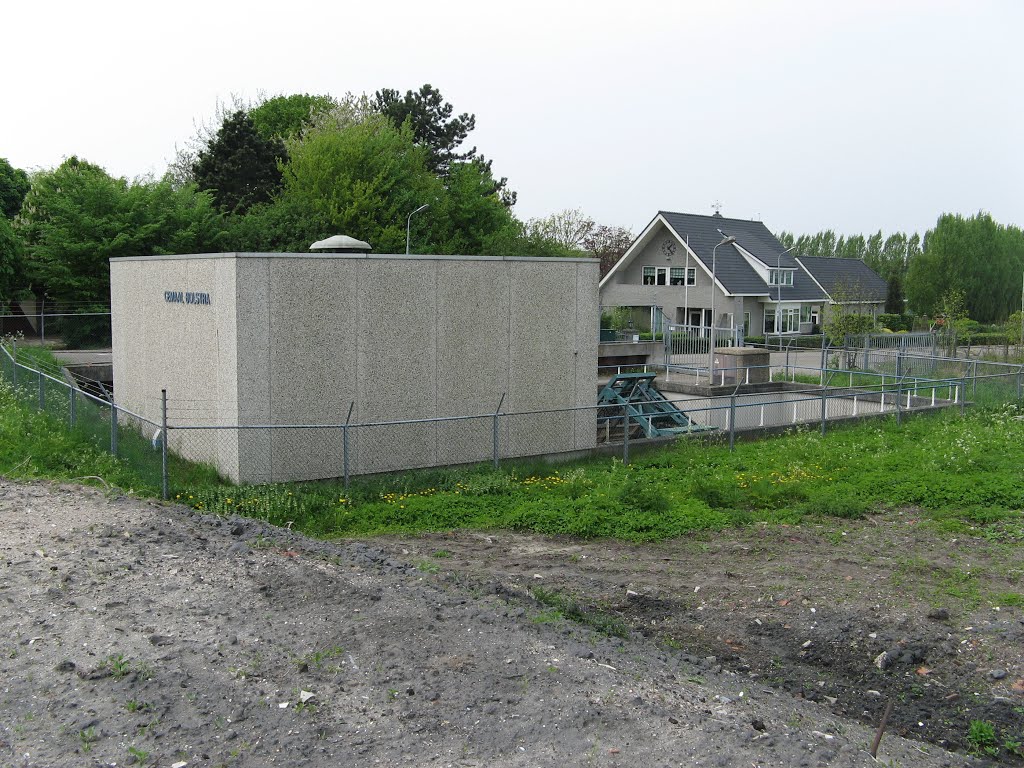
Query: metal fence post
point(73, 406)
point(963, 395)
point(344, 444)
point(42, 391)
point(732, 421)
point(344, 453)
point(824, 411)
point(163, 443)
point(14, 371)
point(494, 439)
point(113, 427)
point(1019, 371)
point(625, 438)
point(899, 387)
point(496, 432)
point(974, 378)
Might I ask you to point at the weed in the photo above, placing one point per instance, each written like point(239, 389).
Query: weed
point(547, 617)
point(134, 705)
point(87, 737)
point(568, 608)
point(140, 755)
point(118, 665)
point(427, 567)
point(442, 553)
point(317, 658)
point(981, 739)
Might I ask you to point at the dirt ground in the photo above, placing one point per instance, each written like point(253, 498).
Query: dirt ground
point(138, 633)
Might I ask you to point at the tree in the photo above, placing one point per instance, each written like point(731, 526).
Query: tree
point(362, 180)
point(569, 228)
point(973, 255)
point(469, 217)
point(14, 186)
point(76, 217)
point(283, 117)
point(239, 166)
point(607, 244)
point(894, 304)
point(433, 126)
point(11, 251)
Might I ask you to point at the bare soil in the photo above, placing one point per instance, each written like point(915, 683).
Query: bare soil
point(139, 633)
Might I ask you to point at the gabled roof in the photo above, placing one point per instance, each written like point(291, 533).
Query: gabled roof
point(846, 280)
point(732, 270)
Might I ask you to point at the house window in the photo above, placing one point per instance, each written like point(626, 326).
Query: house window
point(780, 277)
point(805, 313)
point(683, 276)
point(746, 323)
point(656, 276)
point(790, 320)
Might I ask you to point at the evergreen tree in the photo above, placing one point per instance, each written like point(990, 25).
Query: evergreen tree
point(240, 165)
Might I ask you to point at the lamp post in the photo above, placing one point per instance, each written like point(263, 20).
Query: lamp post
point(778, 282)
point(711, 334)
point(408, 222)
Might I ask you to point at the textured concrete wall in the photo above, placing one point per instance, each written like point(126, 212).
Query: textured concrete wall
point(187, 349)
point(394, 337)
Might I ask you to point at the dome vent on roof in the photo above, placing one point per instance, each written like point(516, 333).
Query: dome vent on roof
point(340, 244)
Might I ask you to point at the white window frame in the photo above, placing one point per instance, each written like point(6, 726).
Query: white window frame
point(782, 277)
point(660, 273)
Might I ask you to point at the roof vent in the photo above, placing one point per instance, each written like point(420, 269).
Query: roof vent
point(340, 244)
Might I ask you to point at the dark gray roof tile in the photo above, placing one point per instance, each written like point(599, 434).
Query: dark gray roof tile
point(846, 280)
point(731, 268)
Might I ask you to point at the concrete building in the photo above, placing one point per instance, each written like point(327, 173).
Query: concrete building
point(244, 339)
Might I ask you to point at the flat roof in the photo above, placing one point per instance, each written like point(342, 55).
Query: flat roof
point(351, 256)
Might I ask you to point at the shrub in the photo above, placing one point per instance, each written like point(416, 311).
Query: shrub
point(897, 322)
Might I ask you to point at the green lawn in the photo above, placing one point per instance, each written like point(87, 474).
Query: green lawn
point(961, 472)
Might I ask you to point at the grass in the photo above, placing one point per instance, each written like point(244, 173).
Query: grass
point(964, 473)
point(561, 606)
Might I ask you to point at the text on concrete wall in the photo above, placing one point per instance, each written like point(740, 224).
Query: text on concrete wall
point(186, 297)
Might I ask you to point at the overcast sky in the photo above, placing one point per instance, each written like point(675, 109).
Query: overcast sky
point(855, 115)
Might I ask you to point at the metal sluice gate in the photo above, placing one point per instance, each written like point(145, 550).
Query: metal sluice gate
point(643, 407)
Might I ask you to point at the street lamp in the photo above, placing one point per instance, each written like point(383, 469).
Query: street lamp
point(711, 334)
point(778, 282)
point(408, 222)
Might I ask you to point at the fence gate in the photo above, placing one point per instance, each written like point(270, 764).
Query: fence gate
point(688, 346)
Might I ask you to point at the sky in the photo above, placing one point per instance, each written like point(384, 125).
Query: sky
point(855, 116)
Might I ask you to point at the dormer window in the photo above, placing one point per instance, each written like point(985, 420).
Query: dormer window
point(780, 276)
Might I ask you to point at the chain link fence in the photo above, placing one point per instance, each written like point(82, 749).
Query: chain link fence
point(93, 418)
point(188, 434)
